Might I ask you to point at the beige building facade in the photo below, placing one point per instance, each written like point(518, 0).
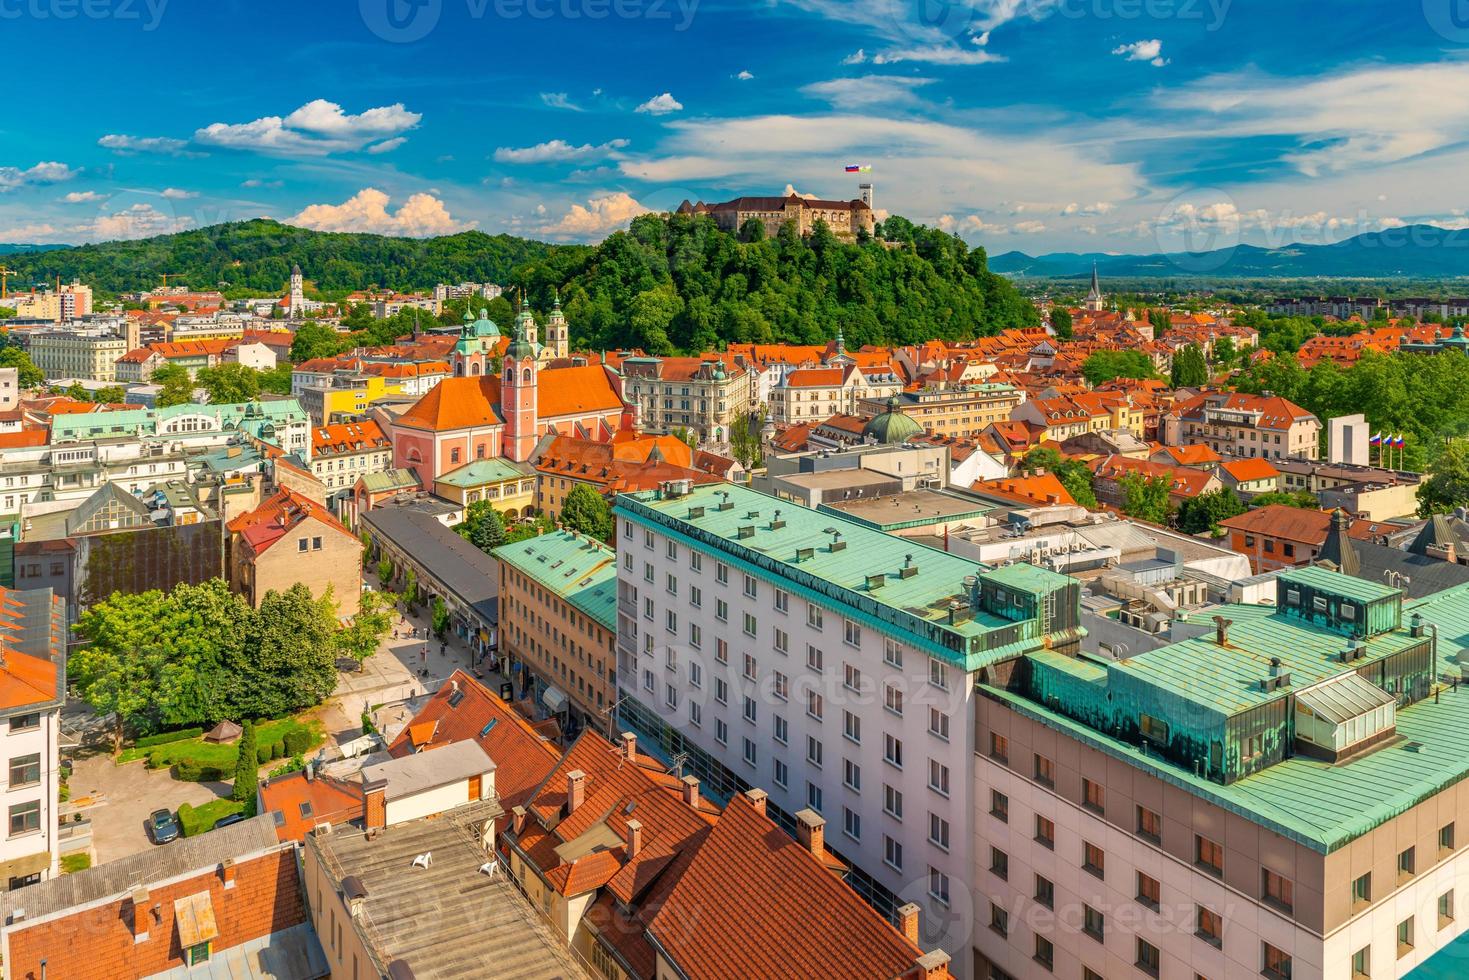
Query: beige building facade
point(958, 412)
point(702, 394)
point(90, 355)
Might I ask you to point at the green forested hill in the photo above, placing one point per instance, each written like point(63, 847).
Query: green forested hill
point(666, 284)
point(257, 256)
point(678, 283)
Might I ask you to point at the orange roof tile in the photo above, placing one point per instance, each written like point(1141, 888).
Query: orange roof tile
point(1045, 489)
point(573, 391)
point(326, 800)
point(456, 403)
point(1248, 470)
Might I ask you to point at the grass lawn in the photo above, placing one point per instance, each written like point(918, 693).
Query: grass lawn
point(72, 863)
point(195, 820)
point(223, 757)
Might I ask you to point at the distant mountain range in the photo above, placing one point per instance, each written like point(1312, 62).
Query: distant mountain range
point(18, 248)
point(1411, 252)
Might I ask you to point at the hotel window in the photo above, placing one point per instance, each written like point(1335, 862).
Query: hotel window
point(721, 690)
point(781, 729)
point(1407, 861)
point(696, 596)
point(750, 587)
point(851, 678)
point(1045, 892)
point(938, 886)
point(999, 748)
point(1045, 832)
point(851, 727)
point(1093, 923)
point(780, 686)
point(892, 751)
point(1147, 957)
point(721, 731)
point(1149, 825)
point(782, 601)
point(1446, 908)
point(1209, 926)
point(25, 770)
point(696, 675)
point(25, 818)
point(938, 674)
point(892, 802)
point(813, 616)
point(1093, 796)
point(782, 642)
point(892, 853)
point(721, 651)
point(1362, 963)
point(1277, 889)
point(750, 710)
point(814, 751)
point(815, 705)
point(721, 573)
point(670, 696)
point(999, 862)
point(721, 610)
point(1362, 890)
point(892, 653)
point(938, 777)
point(749, 752)
point(1154, 729)
point(938, 831)
point(1093, 860)
point(1445, 839)
point(999, 918)
point(1277, 963)
point(851, 633)
point(813, 796)
point(670, 622)
point(1148, 891)
point(999, 805)
point(851, 824)
point(696, 561)
point(670, 584)
point(1405, 937)
point(1045, 953)
point(1208, 856)
point(671, 549)
point(648, 539)
point(851, 775)
point(892, 699)
point(1045, 771)
point(781, 774)
point(752, 669)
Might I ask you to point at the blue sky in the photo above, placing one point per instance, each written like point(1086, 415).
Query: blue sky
point(1039, 125)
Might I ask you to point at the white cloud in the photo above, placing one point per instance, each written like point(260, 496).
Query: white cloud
point(254, 182)
point(944, 34)
point(745, 76)
point(660, 105)
point(560, 100)
point(855, 58)
point(137, 221)
point(165, 145)
point(1087, 210)
point(175, 194)
point(83, 197)
point(1029, 227)
point(26, 233)
point(868, 90)
point(1150, 51)
point(558, 151)
point(597, 218)
point(421, 216)
point(317, 128)
point(387, 146)
point(936, 54)
point(13, 178)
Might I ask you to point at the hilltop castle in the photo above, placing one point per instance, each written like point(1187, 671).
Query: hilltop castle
point(846, 219)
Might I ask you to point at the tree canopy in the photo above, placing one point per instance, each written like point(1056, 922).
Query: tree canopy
point(1204, 512)
point(1145, 498)
point(1073, 474)
point(1190, 370)
point(586, 510)
point(1106, 365)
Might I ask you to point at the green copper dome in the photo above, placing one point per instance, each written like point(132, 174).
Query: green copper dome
point(892, 427)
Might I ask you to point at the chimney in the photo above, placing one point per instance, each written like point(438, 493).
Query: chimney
point(517, 820)
point(934, 965)
point(908, 922)
point(634, 838)
point(140, 914)
point(227, 872)
point(691, 791)
point(629, 746)
point(375, 806)
point(757, 798)
point(1221, 635)
point(811, 832)
point(576, 790)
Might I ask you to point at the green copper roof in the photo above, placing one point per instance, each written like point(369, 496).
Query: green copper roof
point(576, 568)
point(400, 479)
point(481, 471)
point(892, 427)
point(893, 584)
point(1363, 590)
point(151, 421)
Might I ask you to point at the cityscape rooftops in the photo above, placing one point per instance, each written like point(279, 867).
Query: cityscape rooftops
point(576, 567)
point(947, 603)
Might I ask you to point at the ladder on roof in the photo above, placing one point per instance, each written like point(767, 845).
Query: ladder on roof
point(1048, 612)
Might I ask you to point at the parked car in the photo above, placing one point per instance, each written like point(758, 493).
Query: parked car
point(229, 820)
point(162, 827)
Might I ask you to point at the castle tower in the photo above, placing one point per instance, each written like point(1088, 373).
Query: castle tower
point(470, 357)
point(558, 337)
point(296, 305)
point(525, 323)
point(1095, 303)
point(518, 397)
point(865, 191)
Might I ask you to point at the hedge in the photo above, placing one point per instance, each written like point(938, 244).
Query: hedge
point(196, 820)
point(297, 742)
point(191, 772)
point(165, 737)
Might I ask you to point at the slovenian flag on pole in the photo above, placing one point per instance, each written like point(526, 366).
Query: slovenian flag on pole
point(1376, 439)
point(858, 168)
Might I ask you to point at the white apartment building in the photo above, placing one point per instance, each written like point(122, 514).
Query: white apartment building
point(88, 354)
point(766, 645)
point(815, 394)
point(32, 683)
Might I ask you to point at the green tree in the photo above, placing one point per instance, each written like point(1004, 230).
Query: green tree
point(440, 617)
point(117, 671)
point(6, 312)
point(361, 638)
point(524, 530)
point(744, 439)
point(1303, 499)
point(313, 341)
point(1074, 475)
point(1447, 486)
point(1160, 321)
point(586, 510)
point(1061, 323)
point(1105, 365)
point(1189, 368)
point(229, 383)
point(277, 380)
point(483, 526)
point(247, 766)
point(111, 395)
point(293, 667)
point(28, 374)
point(1145, 498)
point(1224, 351)
point(686, 436)
point(175, 386)
point(1204, 512)
point(410, 588)
point(384, 571)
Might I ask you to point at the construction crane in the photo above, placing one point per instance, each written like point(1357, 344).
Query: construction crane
point(166, 276)
point(5, 273)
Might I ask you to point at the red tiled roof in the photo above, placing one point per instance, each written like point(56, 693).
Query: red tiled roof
point(345, 437)
point(24, 437)
point(573, 391)
point(329, 800)
point(270, 522)
point(457, 403)
point(1182, 481)
point(1293, 524)
point(815, 378)
point(522, 758)
point(1043, 488)
point(1194, 455)
point(767, 908)
point(1248, 470)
